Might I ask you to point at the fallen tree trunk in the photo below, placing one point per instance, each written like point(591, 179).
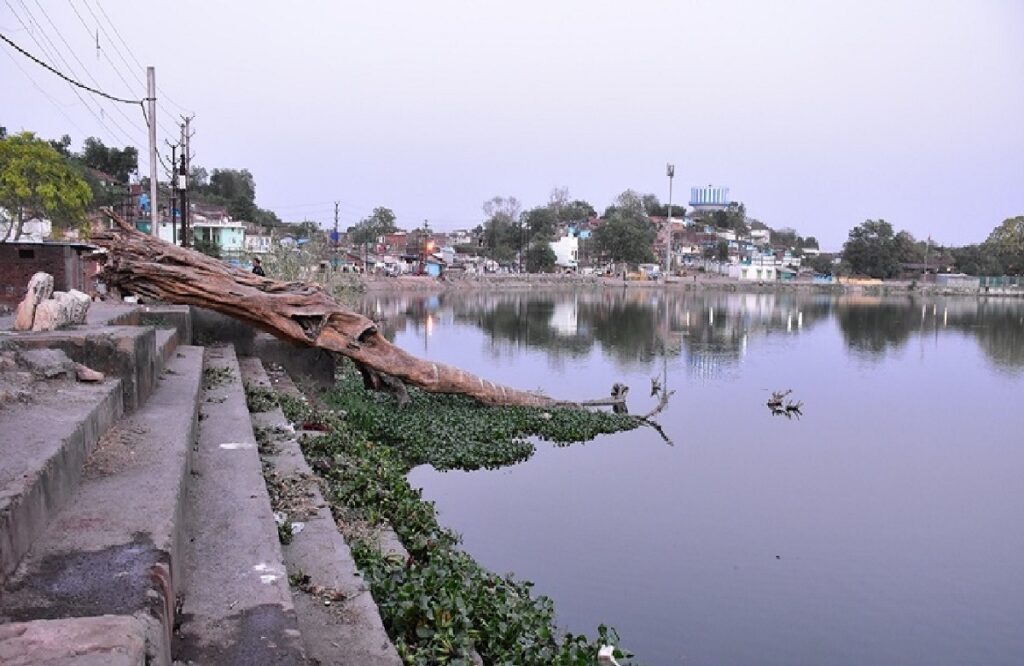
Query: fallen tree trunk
point(302, 313)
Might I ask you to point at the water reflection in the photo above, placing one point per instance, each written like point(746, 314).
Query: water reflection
point(711, 329)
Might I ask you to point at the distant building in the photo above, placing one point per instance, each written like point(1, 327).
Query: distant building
point(957, 280)
point(567, 251)
point(709, 198)
point(761, 237)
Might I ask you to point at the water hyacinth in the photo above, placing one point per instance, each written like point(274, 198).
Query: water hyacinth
point(439, 605)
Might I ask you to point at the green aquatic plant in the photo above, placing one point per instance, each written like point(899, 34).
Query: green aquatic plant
point(438, 604)
point(456, 432)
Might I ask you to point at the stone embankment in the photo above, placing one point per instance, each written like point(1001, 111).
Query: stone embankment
point(694, 281)
point(135, 523)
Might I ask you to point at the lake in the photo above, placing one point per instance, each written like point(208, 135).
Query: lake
point(884, 525)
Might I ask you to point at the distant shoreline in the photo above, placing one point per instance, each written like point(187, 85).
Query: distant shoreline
point(520, 282)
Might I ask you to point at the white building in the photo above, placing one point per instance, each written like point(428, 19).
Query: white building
point(32, 230)
point(567, 251)
point(760, 237)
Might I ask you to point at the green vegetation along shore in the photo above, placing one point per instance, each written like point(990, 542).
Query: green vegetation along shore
point(439, 605)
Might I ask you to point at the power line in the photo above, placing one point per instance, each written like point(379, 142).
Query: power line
point(77, 59)
point(130, 53)
point(68, 78)
point(88, 31)
point(45, 94)
point(44, 50)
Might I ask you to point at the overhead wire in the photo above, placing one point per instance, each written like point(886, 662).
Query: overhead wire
point(89, 32)
point(81, 64)
point(128, 48)
point(113, 65)
point(45, 94)
point(72, 83)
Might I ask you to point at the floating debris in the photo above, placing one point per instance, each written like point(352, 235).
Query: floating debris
point(779, 406)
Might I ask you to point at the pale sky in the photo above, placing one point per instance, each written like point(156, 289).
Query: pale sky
point(817, 115)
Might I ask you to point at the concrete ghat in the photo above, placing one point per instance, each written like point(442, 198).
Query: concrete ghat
point(348, 631)
point(116, 547)
point(237, 607)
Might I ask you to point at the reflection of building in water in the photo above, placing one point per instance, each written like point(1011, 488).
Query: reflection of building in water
point(564, 319)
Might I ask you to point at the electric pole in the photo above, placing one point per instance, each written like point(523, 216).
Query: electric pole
point(173, 177)
point(336, 237)
point(183, 172)
point(154, 211)
point(670, 171)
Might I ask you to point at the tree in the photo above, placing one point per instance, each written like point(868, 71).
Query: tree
point(541, 223)
point(502, 231)
point(822, 264)
point(540, 258)
point(378, 223)
point(627, 233)
point(978, 260)
point(873, 249)
point(36, 180)
point(119, 163)
point(722, 250)
point(1007, 242)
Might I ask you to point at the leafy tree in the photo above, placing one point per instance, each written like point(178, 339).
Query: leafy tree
point(62, 145)
point(810, 241)
point(576, 211)
point(502, 232)
point(1007, 242)
point(541, 223)
point(540, 258)
point(119, 163)
point(822, 264)
point(627, 233)
point(977, 260)
point(36, 180)
point(378, 223)
point(873, 249)
point(722, 250)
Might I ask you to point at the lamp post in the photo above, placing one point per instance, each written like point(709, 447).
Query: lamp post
point(670, 171)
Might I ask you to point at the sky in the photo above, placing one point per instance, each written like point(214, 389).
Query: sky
point(816, 115)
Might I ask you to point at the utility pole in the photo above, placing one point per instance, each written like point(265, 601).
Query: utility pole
point(154, 210)
point(173, 177)
point(336, 237)
point(670, 171)
point(183, 172)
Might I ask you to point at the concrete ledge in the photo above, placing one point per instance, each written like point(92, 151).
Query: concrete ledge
point(309, 364)
point(128, 352)
point(110, 640)
point(237, 607)
point(349, 631)
point(178, 317)
point(42, 454)
point(116, 547)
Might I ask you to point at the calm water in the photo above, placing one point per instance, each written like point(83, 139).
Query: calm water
point(886, 526)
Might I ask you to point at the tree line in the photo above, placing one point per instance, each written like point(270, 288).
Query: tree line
point(876, 250)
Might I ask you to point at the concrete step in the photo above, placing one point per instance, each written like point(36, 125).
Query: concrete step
point(338, 618)
point(116, 547)
point(237, 607)
point(129, 353)
point(43, 448)
point(109, 640)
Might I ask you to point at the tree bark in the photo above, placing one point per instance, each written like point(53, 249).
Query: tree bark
point(299, 312)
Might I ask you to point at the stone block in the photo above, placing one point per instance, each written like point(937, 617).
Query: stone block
point(40, 287)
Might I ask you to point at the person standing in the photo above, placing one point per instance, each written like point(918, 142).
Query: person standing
point(257, 267)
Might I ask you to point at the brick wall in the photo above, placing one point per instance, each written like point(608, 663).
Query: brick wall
point(20, 261)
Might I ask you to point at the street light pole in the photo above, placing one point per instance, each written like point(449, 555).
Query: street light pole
point(670, 171)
